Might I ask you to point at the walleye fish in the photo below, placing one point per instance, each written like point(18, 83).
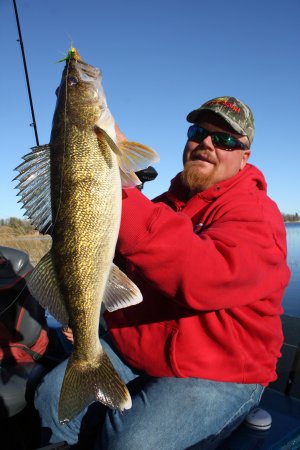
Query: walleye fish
point(71, 189)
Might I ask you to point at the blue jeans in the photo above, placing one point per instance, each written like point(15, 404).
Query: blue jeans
point(167, 413)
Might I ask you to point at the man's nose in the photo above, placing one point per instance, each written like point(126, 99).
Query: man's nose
point(207, 144)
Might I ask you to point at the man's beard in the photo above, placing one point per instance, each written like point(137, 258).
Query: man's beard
point(193, 180)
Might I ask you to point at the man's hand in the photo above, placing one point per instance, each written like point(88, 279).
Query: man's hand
point(68, 333)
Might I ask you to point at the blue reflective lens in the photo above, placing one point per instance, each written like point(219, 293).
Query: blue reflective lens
point(221, 140)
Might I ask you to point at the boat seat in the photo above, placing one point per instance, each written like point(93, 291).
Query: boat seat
point(17, 305)
point(17, 387)
point(16, 264)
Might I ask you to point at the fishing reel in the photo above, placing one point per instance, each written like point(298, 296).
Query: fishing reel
point(145, 175)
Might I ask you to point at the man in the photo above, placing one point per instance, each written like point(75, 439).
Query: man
point(209, 256)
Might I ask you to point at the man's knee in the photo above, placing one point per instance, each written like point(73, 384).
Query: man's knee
point(48, 391)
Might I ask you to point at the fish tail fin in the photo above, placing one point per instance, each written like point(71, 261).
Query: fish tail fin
point(88, 381)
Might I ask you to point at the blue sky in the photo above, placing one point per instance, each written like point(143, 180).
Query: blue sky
point(160, 59)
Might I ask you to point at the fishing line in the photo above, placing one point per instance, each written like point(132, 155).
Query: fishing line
point(64, 146)
point(15, 299)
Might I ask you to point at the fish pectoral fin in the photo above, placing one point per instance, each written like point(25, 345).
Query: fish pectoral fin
point(43, 285)
point(129, 180)
point(85, 382)
point(131, 156)
point(102, 133)
point(34, 187)
point(135, 156)
point(120, 291)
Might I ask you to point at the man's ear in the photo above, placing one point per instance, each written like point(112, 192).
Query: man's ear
point(245, 157)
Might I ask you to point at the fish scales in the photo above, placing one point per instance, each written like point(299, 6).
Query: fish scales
point(87, 194)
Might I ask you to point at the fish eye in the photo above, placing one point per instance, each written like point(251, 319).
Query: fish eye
point(72, 81)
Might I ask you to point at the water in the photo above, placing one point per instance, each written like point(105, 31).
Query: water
point(291, 300)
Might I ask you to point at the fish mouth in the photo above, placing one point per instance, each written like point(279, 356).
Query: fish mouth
point(83, 72)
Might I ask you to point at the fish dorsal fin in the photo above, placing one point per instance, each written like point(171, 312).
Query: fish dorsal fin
point(34, 187)
point(120, 291)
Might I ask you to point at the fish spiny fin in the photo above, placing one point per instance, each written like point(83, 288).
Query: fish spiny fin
point(87, 381)
point(43, 285)
point(34, 187)
point(120, 291)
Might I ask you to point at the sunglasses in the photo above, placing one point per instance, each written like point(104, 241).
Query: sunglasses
point(224, 141)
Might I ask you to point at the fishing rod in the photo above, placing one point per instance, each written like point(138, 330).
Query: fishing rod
point(20, 40)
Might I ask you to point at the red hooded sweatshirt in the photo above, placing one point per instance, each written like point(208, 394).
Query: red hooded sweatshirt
point(212, 271)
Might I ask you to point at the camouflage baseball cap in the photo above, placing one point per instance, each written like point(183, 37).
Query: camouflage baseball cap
point(233, 111)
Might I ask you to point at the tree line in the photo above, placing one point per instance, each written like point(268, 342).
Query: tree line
point(19, 225)
point(291, 217)
point(24, 226)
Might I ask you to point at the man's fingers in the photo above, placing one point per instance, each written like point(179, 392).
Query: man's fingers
point(68, 333)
